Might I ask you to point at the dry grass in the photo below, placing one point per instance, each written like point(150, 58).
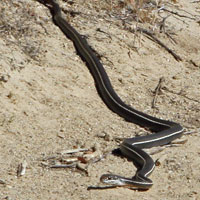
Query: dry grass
point(147, 13)
point(18, 26)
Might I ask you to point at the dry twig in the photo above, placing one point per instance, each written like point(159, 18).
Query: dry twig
point(157, 90)
point(151, 35)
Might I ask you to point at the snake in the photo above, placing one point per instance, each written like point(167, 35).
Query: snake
point(163, 131)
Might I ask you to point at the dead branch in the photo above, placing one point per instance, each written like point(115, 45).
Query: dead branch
point(151, 35)
point(176, 13)
point(157, 90)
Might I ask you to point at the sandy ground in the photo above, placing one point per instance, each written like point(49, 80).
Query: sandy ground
point(49, 102)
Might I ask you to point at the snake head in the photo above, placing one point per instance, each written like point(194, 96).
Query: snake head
point(112, 179)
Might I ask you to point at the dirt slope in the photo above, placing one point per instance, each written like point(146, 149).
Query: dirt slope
point(49, 102)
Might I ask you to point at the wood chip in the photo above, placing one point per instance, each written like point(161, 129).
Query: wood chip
point(71, 151)
point(21, 170)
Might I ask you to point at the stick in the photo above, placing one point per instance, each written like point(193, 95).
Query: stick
point(178, 58)
point(157, 90)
